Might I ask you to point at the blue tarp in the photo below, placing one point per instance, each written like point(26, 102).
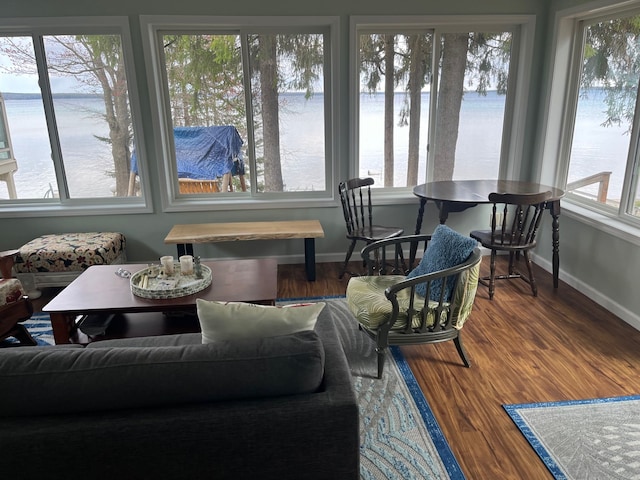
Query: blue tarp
point(205, 153)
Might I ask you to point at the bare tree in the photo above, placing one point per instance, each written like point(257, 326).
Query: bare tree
point(97, 62)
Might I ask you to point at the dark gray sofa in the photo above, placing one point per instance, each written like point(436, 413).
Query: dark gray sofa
point(276, 435)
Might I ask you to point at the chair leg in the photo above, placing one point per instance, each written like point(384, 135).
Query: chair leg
point(512, 260)
point(346, 260)
point(461, 350)
point(22, 334)
point(381, 356)
point(532, 280)
point(492, 276)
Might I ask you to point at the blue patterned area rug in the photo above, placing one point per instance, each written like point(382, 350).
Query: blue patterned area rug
point(400, 437)
point(584, 439)
point(39, 327)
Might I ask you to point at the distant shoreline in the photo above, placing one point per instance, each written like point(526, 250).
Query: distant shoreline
point(37, 96)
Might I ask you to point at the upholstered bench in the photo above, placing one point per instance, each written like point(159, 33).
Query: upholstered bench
point(58, 259)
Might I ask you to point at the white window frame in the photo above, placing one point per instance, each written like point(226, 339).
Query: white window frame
point(37, 27)
point(515, 119)
point(553, 154)
point(172, 201)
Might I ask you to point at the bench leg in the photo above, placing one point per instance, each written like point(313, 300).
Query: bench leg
point(185, 249)
point(310, 258)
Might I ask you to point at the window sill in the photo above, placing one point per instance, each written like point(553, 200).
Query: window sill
point(25, 210)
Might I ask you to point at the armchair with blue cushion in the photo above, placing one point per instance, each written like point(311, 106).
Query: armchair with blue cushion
point(397, 305)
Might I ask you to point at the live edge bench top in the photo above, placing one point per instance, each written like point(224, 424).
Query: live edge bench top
point(227, 232)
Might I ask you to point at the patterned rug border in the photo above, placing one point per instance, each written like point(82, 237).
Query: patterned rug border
point(437, 436)
point(513, 412)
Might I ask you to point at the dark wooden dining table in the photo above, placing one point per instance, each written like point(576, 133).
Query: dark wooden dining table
point(459, 195)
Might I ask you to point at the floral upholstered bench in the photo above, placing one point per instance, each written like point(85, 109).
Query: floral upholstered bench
point(56, 260)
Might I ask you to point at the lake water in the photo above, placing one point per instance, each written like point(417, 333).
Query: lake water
point(89, 165)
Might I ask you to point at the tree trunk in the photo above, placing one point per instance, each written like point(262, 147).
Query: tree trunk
point(119, 120)
point(389, 98)
point(451, 88)
point(270, 117)
point(416, 77)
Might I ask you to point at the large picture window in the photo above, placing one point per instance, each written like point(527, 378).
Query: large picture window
point(246, 109)
point(66, 132)
point(603, 157)
point(432, 102)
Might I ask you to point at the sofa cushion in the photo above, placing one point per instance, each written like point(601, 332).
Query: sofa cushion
point(236, 320)
point(50, 380)
point(447, 248)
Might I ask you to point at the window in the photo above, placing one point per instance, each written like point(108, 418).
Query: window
point(246, 110)
point(602, 157)
point(433, 98)
point(67, 129)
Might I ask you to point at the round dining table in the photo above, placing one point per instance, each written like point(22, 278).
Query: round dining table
point(459, 195)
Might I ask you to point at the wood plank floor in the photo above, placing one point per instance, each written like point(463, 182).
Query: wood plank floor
point(558, 346)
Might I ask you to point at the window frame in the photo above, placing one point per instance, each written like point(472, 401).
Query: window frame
point(36, 28)
point(560, 114)
point(515, 116)
point(154, 26)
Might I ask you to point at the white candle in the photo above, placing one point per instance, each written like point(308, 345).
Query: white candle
point(167, 264)
point(186, 265)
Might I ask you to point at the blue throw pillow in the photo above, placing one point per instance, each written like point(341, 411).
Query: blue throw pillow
point(446, 249)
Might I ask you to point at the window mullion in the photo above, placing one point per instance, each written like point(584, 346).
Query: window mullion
point(248, 94)
point(52, 127)
point(573, 88)
point(433, 103)
point(630, 183)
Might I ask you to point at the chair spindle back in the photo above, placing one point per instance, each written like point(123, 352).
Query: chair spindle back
point(355, 195)
point(516, 219)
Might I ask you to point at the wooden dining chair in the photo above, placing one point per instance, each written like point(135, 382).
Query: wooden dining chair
point(515, 220)
point(355, 195)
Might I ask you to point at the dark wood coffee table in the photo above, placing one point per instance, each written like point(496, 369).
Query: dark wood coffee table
point(99, 291)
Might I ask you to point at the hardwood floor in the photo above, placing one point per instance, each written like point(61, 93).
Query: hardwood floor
point(558, 346)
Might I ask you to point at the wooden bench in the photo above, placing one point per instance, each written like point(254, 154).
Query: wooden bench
point(186, 235)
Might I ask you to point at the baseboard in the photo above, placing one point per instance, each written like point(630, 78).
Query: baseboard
point(612, 306)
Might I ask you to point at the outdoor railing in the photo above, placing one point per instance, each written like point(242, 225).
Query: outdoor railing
point(602, 178)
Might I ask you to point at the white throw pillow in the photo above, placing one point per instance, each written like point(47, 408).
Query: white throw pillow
point(235, 320)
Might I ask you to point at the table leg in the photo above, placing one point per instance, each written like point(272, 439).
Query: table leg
point(310, 258)
point(414, 246)
point(423, 201)
point(62, 325)
point(443, 210)
point(555, 240)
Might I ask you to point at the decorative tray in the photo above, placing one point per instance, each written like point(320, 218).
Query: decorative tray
point(147, 283)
